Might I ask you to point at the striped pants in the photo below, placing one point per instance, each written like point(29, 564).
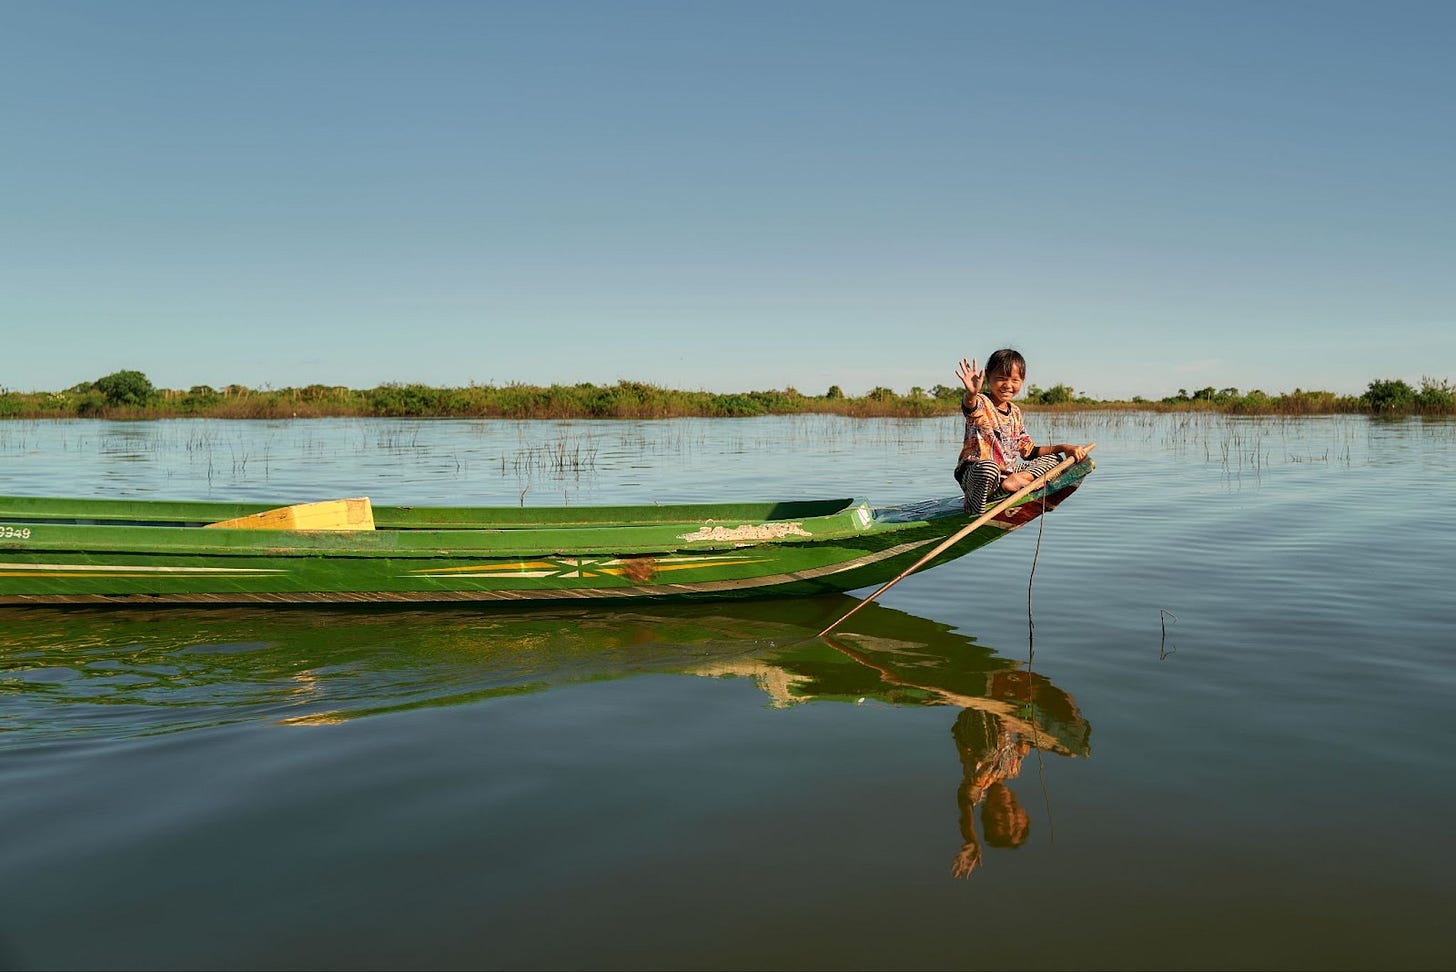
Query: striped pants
point(978, 480)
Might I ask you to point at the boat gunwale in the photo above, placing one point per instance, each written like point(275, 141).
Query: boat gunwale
point(195, 513)
point(703, 535)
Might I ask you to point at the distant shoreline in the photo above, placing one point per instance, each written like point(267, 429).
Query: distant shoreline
point(128, 395)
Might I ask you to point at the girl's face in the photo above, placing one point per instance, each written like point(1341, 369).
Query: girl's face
point(1003, 386)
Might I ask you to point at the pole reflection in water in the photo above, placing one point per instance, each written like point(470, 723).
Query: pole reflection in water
point(73, 676)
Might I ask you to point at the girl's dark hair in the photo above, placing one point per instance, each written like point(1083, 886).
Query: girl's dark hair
point(1001, 362)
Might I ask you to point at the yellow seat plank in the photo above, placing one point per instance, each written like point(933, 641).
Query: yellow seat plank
point(339, 514)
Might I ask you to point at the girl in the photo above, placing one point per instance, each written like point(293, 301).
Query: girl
point(997, 452)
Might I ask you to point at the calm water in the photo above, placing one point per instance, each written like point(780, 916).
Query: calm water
point(1231, 747)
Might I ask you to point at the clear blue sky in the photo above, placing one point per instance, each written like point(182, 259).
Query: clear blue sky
point(1141, 196)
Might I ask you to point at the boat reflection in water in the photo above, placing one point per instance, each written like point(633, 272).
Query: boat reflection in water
point(69, 674)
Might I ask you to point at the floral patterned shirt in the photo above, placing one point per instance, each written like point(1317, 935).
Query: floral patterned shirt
point(995, 435)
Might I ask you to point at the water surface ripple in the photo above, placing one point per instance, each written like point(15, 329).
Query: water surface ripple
point(1223, 743)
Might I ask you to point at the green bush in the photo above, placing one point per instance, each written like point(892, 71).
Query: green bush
point(200, 397)
point(779, 402)
point(125, 388)
point(1058, 394)
point(737, 406)
point(401, 401)
point(1254, 402)
point(1300, 402)
point(1436, 397)
point(90, 403)
point(524, 401)
point(1389, 395)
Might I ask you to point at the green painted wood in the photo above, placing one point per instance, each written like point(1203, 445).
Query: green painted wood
point(148, 551)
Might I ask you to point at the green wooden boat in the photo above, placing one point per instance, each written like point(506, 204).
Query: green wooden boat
point(63, 551)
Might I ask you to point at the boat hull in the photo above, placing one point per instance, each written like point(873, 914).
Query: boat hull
point(119, 552)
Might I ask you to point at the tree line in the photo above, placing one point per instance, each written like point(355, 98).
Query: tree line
point(129, 394)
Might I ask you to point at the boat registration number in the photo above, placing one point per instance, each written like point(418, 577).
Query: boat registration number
point(15, 533)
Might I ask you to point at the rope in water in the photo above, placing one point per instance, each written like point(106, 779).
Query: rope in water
point(1030, 686)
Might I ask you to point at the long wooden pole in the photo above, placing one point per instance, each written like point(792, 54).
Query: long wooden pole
point(961, 534)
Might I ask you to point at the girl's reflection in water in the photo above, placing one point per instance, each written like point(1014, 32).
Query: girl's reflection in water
point(990, 752)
